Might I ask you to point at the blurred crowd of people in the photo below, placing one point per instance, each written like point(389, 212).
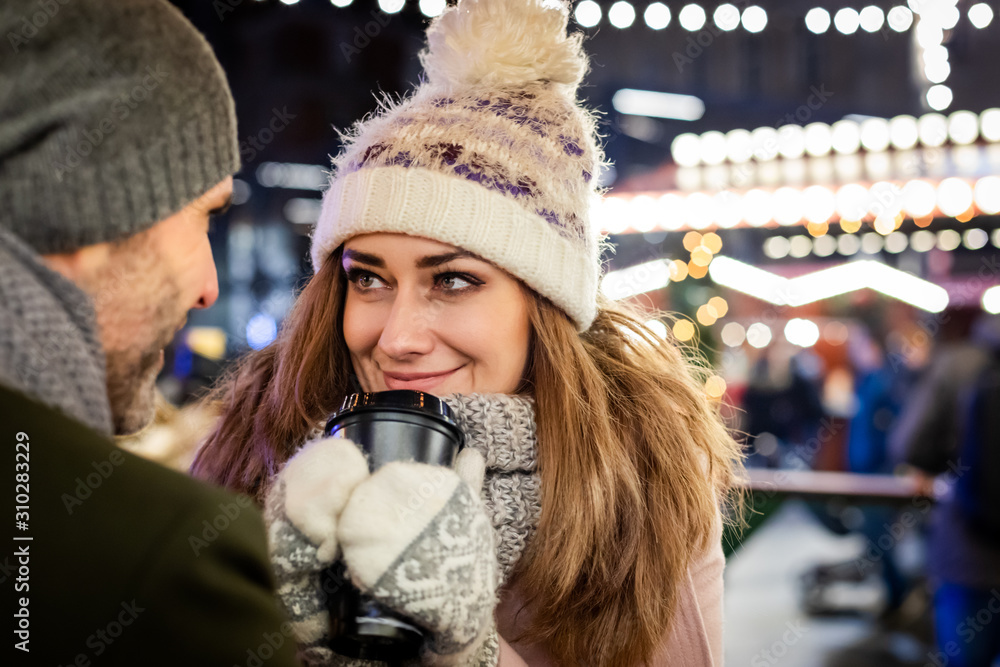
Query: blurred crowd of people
point(924, 402)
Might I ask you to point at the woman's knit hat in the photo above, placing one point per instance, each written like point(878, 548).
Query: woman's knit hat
point(491, 153)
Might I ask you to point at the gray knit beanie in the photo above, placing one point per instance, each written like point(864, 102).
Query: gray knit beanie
point(114, 114)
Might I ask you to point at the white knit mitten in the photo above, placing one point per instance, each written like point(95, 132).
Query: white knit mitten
point(416, 538)
point(323, 476)
point(301, 513)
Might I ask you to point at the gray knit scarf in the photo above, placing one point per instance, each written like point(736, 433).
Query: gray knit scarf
point(502, 427)
point(49, 346)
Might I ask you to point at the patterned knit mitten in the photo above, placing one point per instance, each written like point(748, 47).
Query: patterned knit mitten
point(416, 538)
point(301, 513)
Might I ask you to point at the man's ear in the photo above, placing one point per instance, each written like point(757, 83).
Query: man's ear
point(80, 264)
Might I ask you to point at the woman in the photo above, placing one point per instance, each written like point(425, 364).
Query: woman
point(455, 255)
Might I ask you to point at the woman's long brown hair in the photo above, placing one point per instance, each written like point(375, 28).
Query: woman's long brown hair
point(273, 398)
point(634, 460)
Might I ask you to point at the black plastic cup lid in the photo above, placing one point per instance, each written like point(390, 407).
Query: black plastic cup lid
point(398, 400)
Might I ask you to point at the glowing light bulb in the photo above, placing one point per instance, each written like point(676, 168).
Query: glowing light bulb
point(954, 196)
point(963, 127)
point(686, 149)
point(987, 194)
point(819, 139)
point(759, 335)
point(587, 13)
point(980, 15)
point(754, 19)
point(875, 134)
point(692, 17)
point(900, 19)
point(657, 16)
point(846, 136)
point(733, 334)
point(621, 15)
point(939, 97)
point(726, 17)
point(847, 21)
point(430, 8)
point(871, 18)
point(817, 20)
point(933, 129)
point(903, 132)
point(989, 125)
point(683, 330)
point(919, 199)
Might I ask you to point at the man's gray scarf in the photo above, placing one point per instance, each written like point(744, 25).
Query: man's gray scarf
point(49, 345)
point(502, 427)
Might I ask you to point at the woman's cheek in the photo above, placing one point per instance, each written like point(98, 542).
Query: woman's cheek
point(360, 327)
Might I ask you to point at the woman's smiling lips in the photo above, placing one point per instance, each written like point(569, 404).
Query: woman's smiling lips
point(415, 381)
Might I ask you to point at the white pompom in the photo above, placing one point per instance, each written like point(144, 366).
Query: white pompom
point(503, 43)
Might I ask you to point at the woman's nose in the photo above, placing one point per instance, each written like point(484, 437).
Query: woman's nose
point(409, 329)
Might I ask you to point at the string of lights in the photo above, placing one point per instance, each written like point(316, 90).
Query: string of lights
point(728, 17)
point(844, 137)
point(885, 204)
point(887, 169)
point(922, 240)
point(656, 274)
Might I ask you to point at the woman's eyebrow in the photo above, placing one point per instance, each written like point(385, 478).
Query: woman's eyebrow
point(423, 263)
point(364, 258)
point(437, 260)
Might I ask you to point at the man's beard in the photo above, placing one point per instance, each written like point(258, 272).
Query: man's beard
point(131, 381)
point(138, 318)
point(132, 369)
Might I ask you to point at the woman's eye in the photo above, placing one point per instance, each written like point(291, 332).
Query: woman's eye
point(362, 279)
point(452, 281)
point(457, 282)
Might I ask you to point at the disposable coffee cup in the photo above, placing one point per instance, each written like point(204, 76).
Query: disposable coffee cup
point(399, 425)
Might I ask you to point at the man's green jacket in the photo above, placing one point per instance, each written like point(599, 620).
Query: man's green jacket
point(110, 559)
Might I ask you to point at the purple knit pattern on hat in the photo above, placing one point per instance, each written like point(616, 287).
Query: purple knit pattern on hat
point(530, 145)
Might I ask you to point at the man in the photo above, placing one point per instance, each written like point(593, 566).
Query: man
point(117, 143)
